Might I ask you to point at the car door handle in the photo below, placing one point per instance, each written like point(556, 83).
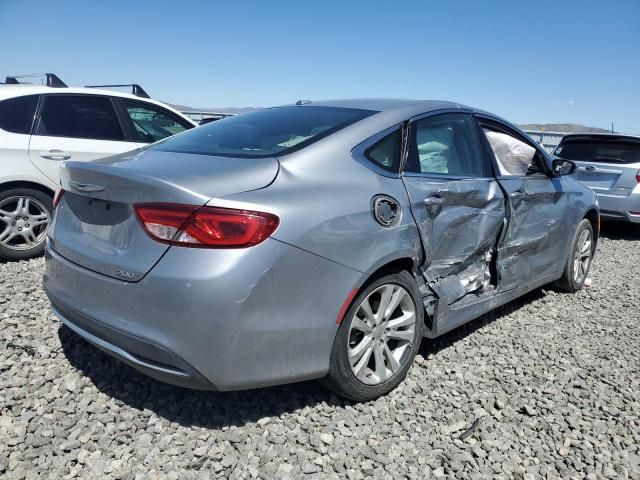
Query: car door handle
point(55, 155)
point(433, 202)
point(433, 206)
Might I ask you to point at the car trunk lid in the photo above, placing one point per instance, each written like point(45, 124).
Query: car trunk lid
point(95, 224)
point(610, 178)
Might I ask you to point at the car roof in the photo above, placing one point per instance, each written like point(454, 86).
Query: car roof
point(385, 104)
point(603, 136)
point(13, 90)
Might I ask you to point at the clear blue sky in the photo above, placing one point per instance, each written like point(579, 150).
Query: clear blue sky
point(536, 61)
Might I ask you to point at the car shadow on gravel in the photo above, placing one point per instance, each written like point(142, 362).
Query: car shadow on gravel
point(219, 409)
point(620, 230)
point(188, 407)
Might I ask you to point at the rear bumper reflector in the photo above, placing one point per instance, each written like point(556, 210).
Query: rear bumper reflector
point(345, 305)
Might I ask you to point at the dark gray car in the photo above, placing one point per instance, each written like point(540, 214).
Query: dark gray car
point(318, 240)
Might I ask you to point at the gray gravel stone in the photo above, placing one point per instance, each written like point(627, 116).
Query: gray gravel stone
point(553, 378)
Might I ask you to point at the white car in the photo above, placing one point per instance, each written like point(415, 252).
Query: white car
point(41, 126)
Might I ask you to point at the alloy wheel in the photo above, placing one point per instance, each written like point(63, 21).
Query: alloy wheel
point(23, 223)
point(381, 334)
point(582, 257)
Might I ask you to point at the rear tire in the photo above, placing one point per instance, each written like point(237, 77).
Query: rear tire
point(577, 268)
point(25, 214)
point(377, 340)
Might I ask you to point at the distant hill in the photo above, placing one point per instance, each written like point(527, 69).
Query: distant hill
point(562, 127)
point(236, 110)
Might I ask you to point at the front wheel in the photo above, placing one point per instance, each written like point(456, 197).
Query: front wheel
point(377, 340)
point(25, 215)
point(577, 267)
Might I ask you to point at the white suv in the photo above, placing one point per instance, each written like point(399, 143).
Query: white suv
point(44, 125)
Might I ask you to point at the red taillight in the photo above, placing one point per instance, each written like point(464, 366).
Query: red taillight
point(57, 197)
point(208, 227)
point(638, 176)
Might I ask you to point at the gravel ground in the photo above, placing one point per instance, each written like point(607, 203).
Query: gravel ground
point(546, 387)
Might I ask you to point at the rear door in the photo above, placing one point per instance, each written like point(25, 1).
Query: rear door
point(16, 120)
point(150, 123)
point(457, 204)
point(78, 127)
point(606, 164)
point(534, 244)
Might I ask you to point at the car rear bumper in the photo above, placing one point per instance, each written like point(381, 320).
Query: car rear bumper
point(211, 319)
point(143, 355)
point(619, 207)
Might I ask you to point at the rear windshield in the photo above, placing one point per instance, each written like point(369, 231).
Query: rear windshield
point(598, 150)
point(264, 133)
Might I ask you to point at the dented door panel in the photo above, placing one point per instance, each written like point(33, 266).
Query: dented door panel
point(538, 229)
point(459, 232)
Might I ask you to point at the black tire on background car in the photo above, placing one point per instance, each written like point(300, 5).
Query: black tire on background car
point(577, 268)
point(25, 214)
point(377, 339)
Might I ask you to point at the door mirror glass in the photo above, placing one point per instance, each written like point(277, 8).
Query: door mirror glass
point(563, 167)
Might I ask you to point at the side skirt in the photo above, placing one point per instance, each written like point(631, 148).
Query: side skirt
point(447, 317)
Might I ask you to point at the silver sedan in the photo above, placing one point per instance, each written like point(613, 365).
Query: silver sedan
point(321, 240)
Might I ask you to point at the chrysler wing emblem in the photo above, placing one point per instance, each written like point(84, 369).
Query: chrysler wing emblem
point(87, 187)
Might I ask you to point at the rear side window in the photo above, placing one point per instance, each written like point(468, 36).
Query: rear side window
point(152, 123)
point(79, 116)
point(596, 150)
point(16, 114)
point(386, 152)
point(445, 144)
point(264, 133)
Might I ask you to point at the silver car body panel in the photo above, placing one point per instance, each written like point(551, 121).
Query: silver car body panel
point(241, 318)
point(229, 319)
point(615, 183)
point(616, 186)
point(101, 230)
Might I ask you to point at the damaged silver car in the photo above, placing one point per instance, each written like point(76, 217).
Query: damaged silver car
point(320, 240)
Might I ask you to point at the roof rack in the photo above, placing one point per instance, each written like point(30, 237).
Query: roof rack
point(52, 79)
point(136, 89)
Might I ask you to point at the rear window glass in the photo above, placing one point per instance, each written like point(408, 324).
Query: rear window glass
point(615, 150)
point(264, 133)
point(16, 114)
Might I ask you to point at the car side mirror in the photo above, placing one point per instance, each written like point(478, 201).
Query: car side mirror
point(563, 167)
